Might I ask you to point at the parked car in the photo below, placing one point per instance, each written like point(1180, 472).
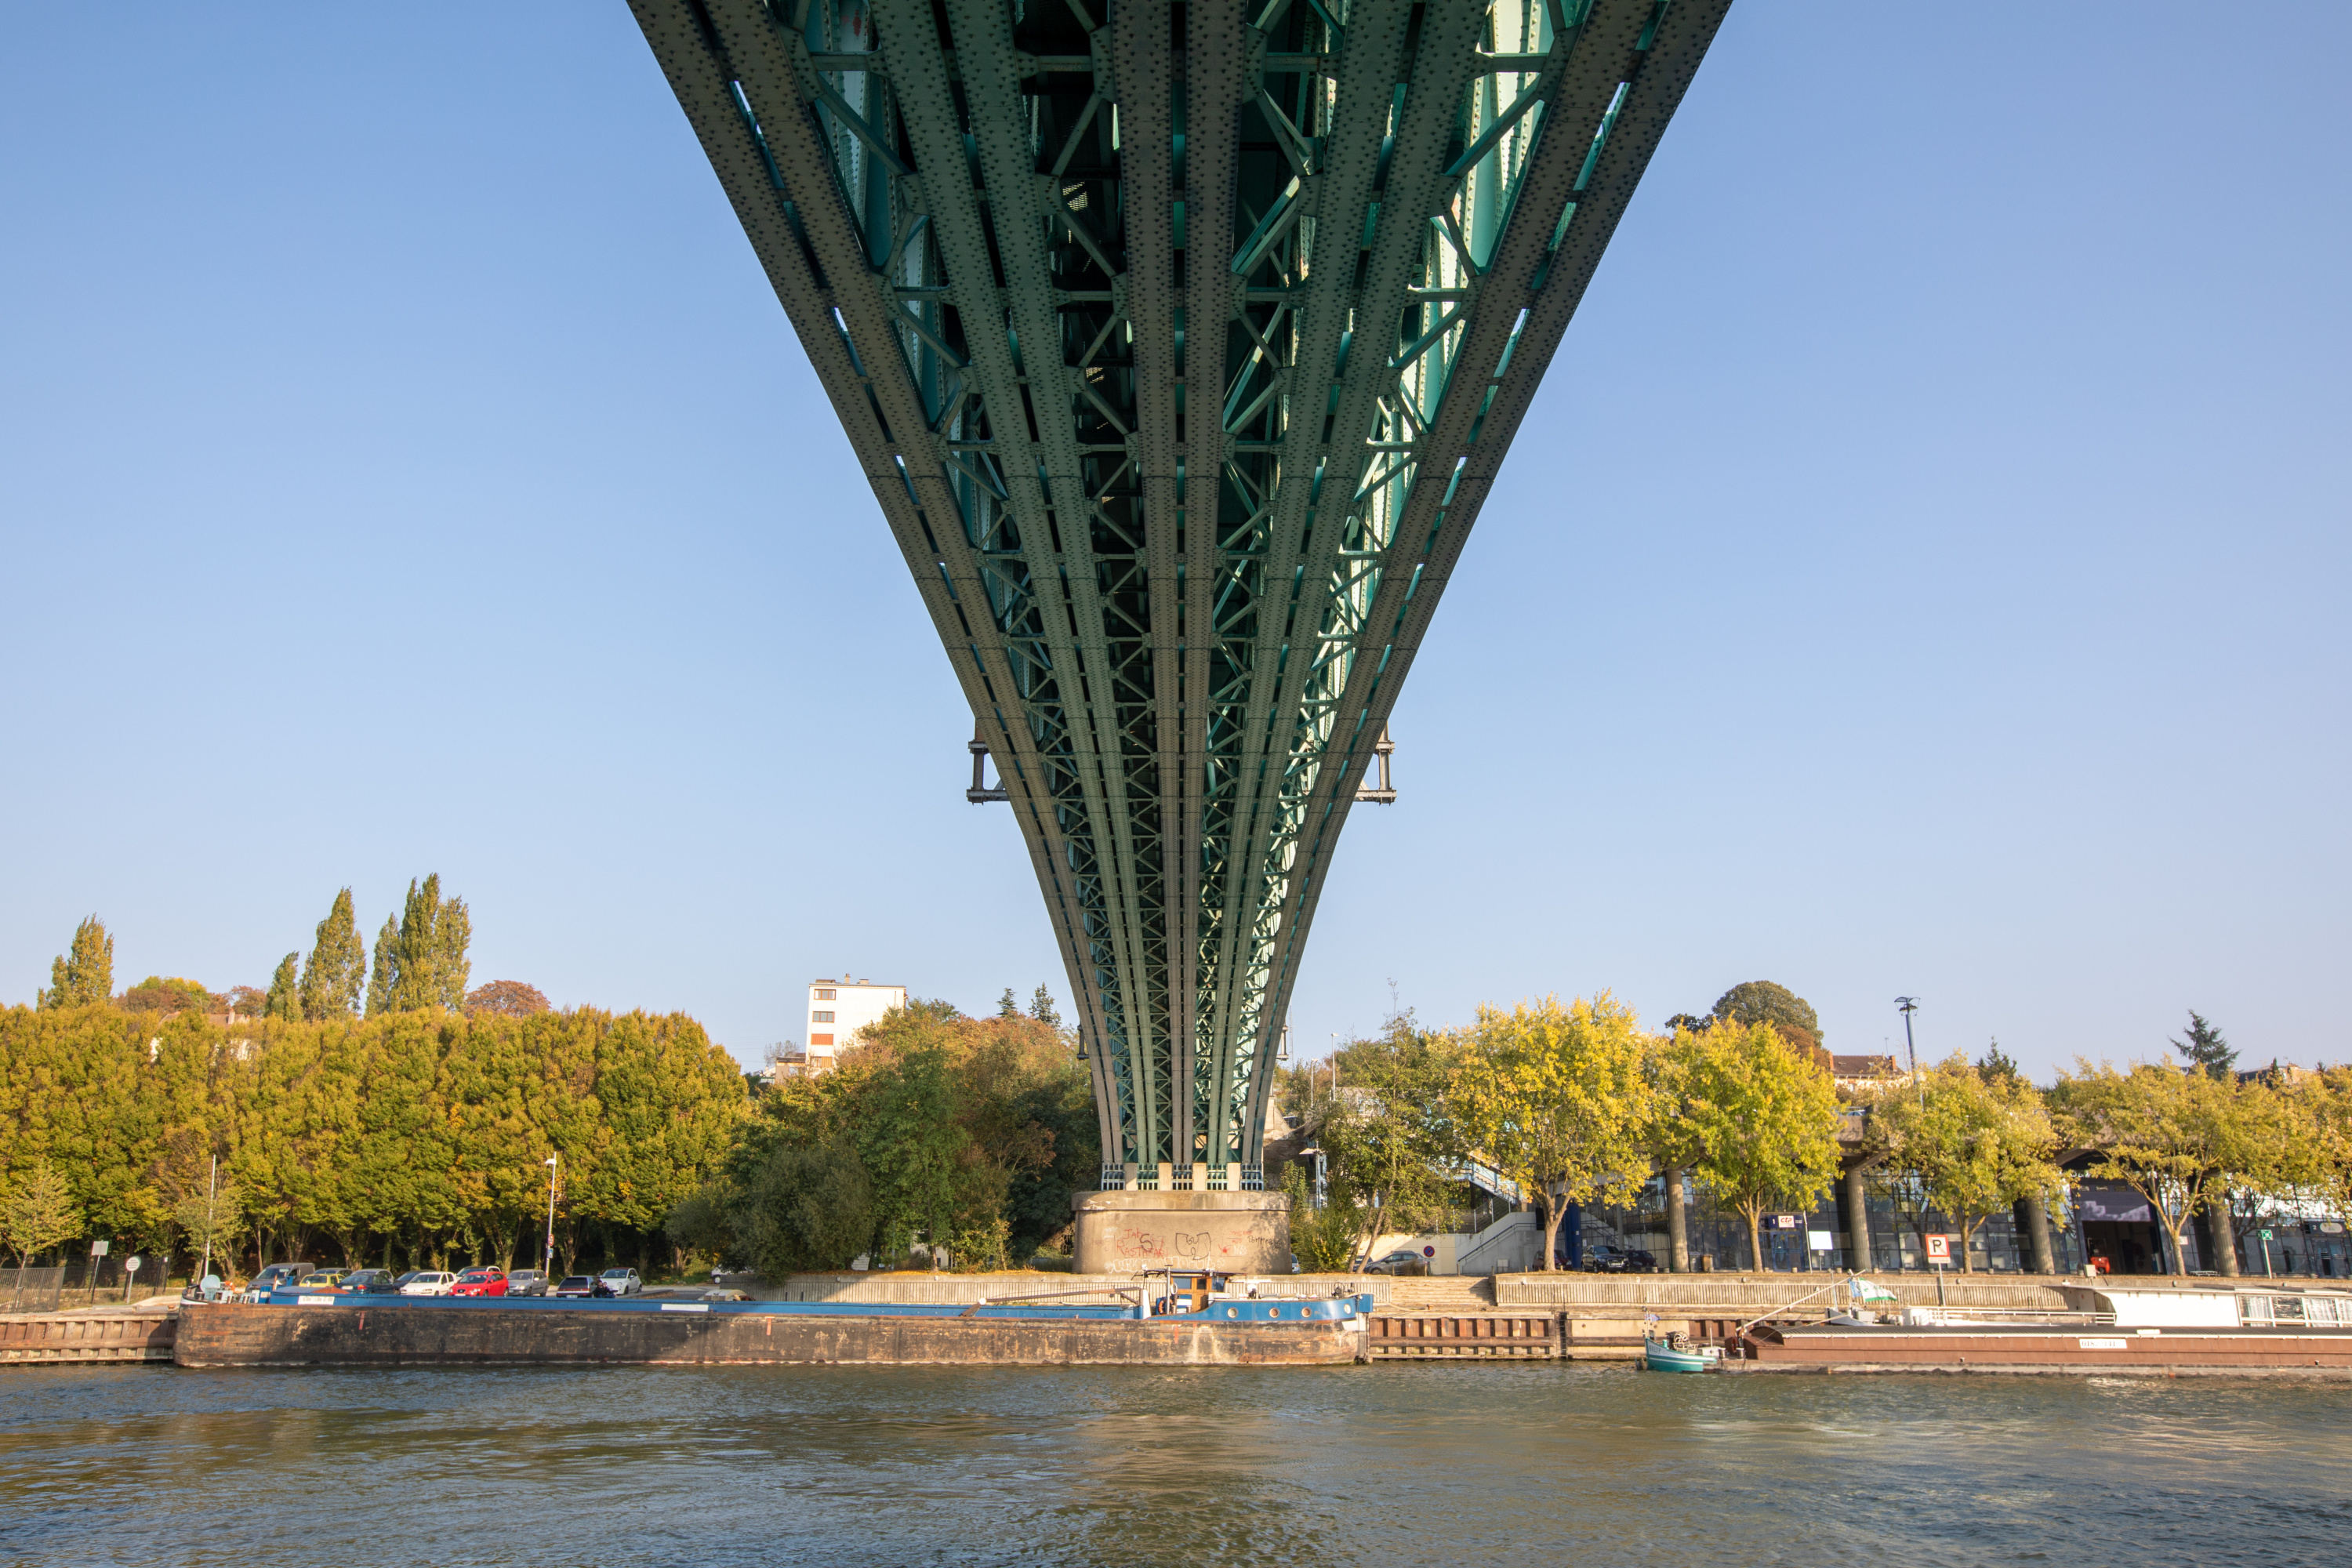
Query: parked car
point(480, 1282)
point(526, 1282)
point(618, 1282)
point(1603, 1258)
point(323, 1280)
point(1404, 1260)
point(370, 1282)
point(277, 1276)
point(428, 1282)
point(576, 1285)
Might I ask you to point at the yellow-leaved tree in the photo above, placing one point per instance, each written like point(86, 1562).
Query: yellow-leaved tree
point(1975, 1142)
point(1555, 1098)
point(1767, 1117)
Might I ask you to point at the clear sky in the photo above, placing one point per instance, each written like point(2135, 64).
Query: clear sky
point(1924, 570)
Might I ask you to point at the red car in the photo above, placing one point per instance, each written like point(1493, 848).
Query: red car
point(480, 1282)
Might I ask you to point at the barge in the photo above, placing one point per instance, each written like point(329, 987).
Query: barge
point(1196, 1326)
point(2245, 1327)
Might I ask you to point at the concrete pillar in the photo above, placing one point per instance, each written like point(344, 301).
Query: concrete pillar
point(1167, 1177)
point(1677, 1223)
point(2032, 1218)
point(1854, 1214)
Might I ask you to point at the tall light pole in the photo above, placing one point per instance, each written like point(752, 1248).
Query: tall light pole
point(1907, 1005)
point(548, 1266)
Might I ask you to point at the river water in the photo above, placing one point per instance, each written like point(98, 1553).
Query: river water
point(1543, 1463)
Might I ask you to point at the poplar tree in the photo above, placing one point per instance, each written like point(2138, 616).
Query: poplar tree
point(336, 973)
point(430, 967)
point(383, 979)
point(285, 990)
point(86, 974)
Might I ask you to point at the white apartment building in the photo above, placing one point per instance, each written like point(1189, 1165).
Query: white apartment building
point(837, 1009)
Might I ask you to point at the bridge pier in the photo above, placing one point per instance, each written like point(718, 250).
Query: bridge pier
point(1127, 1232)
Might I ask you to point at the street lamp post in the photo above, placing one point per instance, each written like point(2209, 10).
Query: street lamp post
point(548, 1266)
point(1907, 1005)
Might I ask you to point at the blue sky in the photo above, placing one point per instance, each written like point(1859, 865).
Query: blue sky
point(1924, 570)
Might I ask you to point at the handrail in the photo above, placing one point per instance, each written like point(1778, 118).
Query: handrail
point(1124, 1292)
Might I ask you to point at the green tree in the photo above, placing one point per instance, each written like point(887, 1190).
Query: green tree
point(2206, 1051)
point(336, 973)
point(38, 1214)
point(1555, 1098)
point(211, 1218)
point(428, 964)
point(1976, 1142)
point(1997, 1064)
point(1767, 1116)
point(1762, 1001)
point(1390, 1141)
point(1324, 1240)
point(1041, 1008)
point(1006, 1007)
point(85, 974)
point(285, 999)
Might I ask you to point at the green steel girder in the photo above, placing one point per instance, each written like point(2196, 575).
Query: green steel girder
point(1179, 344)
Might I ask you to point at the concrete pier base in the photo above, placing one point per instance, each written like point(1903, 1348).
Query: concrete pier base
point(1130, 1232)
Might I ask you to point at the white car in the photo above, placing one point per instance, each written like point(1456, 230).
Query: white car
point(618, 1282)
point(430, 1283)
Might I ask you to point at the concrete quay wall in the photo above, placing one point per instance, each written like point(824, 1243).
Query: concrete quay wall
point(1710, 1295)
point(914, 1290)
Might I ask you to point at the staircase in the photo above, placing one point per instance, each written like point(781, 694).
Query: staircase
point(1454, 1294)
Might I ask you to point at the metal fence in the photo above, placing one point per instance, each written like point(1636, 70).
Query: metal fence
point(58, 1288)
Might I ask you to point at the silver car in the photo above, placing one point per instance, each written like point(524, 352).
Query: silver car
point(526, 1282)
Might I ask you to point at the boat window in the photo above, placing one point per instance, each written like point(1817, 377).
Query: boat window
point(2254, 1309)
point(2325, 1310)
point(2286, 1308)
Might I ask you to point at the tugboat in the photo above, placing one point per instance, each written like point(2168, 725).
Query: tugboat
point(1673, 1354)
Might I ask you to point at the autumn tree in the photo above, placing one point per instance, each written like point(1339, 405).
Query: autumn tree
point(336, 973)
point(1975, 1142)
point(1677, 1067)
point(38, 1213)
point(507, 999)
point(85, 972)
point(169, 995)
point(1554, 1096)
point(2166, 1133)
point(1767, 1117)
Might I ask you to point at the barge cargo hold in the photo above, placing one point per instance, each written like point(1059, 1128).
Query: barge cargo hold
point(445, 1331)
point(2235, 1330)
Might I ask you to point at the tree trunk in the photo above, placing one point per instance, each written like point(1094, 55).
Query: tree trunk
point(2032, 1216)
point(1968, 1239)
point(2225, 1234)
point(1553, 1214)
point(1677, 1223)
point(1755, 1238)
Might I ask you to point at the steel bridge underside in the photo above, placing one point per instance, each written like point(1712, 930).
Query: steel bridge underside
point(1180, 344)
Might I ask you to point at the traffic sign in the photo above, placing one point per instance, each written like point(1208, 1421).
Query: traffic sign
point(1939, 1249)
point(130, 1264)
point(99, 1249)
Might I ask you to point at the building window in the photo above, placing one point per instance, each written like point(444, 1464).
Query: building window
point(824, 993)
point(820, 1018)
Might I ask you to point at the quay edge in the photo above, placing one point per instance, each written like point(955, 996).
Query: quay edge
point(230, 1335)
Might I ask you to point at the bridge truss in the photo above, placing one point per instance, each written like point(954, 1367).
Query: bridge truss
point(1180, 343)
